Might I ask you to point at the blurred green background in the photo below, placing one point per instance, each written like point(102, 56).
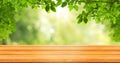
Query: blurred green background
point(37, 27)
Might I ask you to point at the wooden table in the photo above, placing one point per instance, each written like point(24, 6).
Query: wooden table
point(59, 54)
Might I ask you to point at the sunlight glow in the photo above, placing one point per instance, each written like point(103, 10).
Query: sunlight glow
point(61, 25)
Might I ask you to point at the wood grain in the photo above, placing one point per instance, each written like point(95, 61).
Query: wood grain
point(60, 54)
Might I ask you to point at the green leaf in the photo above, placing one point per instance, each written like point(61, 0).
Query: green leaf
point(47, 8)
point(85, 20)
point(114, 20)
point(53, 9)
point(59, 2)
point(79, 17)
point(79, 20)
point(52, 3)
point(64, 4)
point(76, 7)
point(70, 7)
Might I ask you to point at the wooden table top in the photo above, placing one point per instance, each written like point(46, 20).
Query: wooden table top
point(59, 54)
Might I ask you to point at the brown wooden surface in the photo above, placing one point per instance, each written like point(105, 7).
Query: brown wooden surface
point(58, 54)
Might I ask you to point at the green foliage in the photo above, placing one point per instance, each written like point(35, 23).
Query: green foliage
point(47, 8)
point(7, 21)
point(26, 32)
point(64, 4)
point(105, 11)
point(8, 9)
point(116, 29)
point(100, 10)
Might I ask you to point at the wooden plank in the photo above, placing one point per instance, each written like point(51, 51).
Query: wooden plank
point(49, 54)
point(59, 52)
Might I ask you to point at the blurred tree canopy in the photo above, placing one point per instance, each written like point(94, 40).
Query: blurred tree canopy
point(104, 11)
point(37, 27)
point(26, 32)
